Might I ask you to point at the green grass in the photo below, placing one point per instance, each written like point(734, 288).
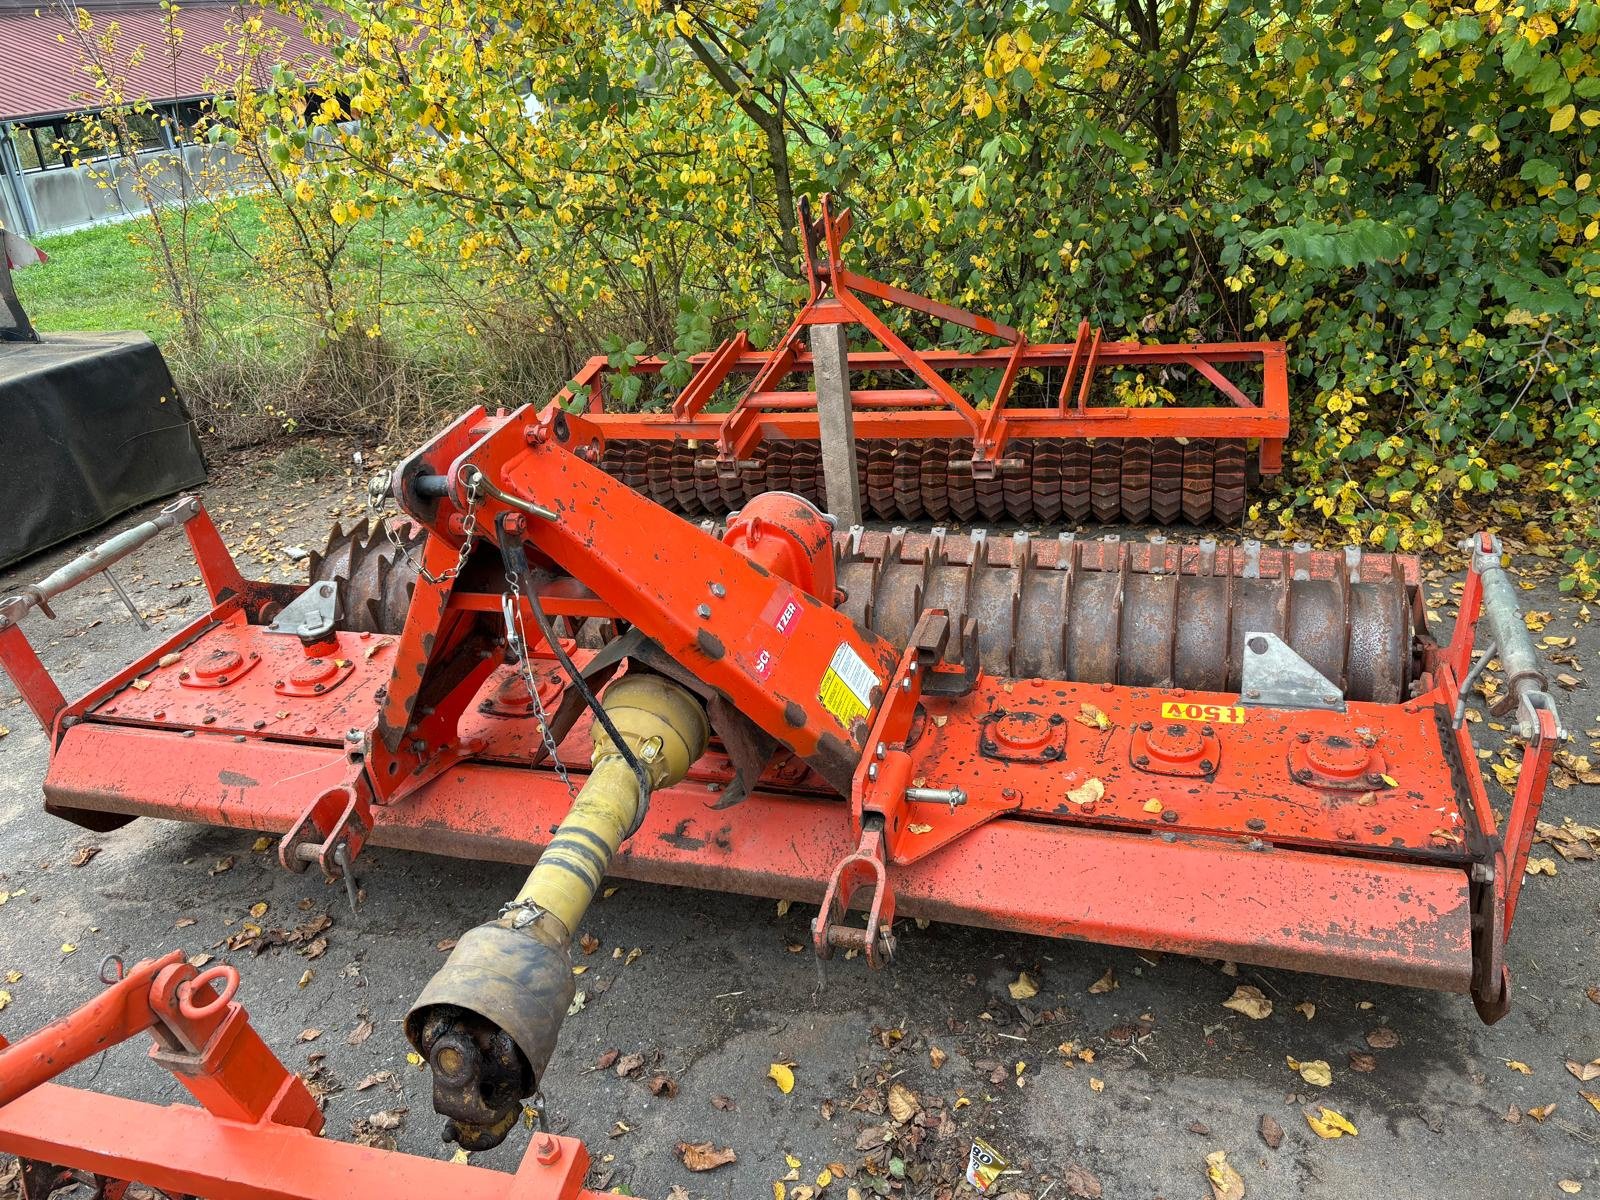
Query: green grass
point(94, 281)
point(103, 278)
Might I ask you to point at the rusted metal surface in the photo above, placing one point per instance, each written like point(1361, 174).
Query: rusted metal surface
point(1146, 614)
point(1095, 677)
point(936, 436)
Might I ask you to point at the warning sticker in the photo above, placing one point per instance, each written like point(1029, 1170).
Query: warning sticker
point(1215, 714)
point(846, 688)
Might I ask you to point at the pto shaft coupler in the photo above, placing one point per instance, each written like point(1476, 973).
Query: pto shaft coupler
point(487, 1022)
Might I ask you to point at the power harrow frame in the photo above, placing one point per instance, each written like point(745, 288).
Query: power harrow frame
point(1285, 814)
point(932, 451)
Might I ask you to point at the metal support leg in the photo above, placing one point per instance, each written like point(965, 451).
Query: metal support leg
point(830, 350)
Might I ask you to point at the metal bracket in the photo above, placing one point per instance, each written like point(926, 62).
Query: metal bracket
point(1274, 676)
point(311, 614)
point(864, 868)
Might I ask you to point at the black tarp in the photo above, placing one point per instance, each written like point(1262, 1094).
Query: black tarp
point(90, 426)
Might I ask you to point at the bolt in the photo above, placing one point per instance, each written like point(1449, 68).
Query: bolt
point(547, 1150)
point(1208, 731)
point(1146, 726)
point(905, 684)
point(1374, 778)
point(1170, 815)
point(1253, 694)
point(703, 611)
point(1256, 824)
point(1330, 697)
point(718, 590)
point(1142, 760)
point(872, 771)
point(1302, 737)
point(881, 750)
point(1207, 765)
point(352, 735)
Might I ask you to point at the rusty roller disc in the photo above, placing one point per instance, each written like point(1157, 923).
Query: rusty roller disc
point(1142, 614)
point(375, 576)
point(1139, 614)
point(1167, 481)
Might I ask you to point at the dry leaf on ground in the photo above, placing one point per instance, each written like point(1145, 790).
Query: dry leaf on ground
point(782, 1074)
point(1271, 1132)
point(1226, 1183)
point(1330, 1124)
point(1315, 1072)
point(903, 1102)
point(1251, 1001)
point(1383, 1038)
point(1106, 983)
point(1023, 987)
point(703, 1156)
point(1584, 1071)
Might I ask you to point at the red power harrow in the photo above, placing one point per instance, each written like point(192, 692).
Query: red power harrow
point(1235, 752)
point(1020, 431)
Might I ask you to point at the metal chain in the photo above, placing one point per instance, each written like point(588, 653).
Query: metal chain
point(516, 642)
point(378, 501)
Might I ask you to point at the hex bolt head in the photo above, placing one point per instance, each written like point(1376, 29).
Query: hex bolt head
point(718, 590)
point(546, 1149)
point(703, 611)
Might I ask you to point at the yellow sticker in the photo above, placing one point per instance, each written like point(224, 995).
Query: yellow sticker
point(847, 684)
point(1216, 714)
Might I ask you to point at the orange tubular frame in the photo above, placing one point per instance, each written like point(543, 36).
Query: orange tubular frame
point(937, 409)
point(255, 1134)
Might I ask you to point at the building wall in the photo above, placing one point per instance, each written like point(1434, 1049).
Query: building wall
point(67, 198)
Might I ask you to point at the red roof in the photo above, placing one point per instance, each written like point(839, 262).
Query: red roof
point(42, 67)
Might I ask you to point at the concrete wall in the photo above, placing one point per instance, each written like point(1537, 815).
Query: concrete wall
point(69, 198)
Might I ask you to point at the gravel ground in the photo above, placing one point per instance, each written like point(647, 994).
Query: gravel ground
point(1089, 1091)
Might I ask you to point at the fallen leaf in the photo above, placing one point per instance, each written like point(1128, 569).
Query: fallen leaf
point(1542, 1111)
point(937, 1057)
point(1081, 1183)
point(628, 1064)
point(225, 863)
point(1513, 1115)
point(1225, 1181)
point(1570, 1186)
point(84, 855)
point(375, 1079)
point(360, 1033)
point(588, 943)
point(68, 947)
point(261, 845)
point(1106, 983)
point(1306, 1007)
point(198, 960)
point(1330, 1124)
point(1383, 1038)
point(1249, 1000)
point(389, 1119)
point(722, 1103)
point(307, 976)
point(309, 1035)
point(1521, 1068)
point(5, 998)
point(183, 922)
point(903, 1102)
point(1097, 1085)
point(703, 1156)
point(919, 828)
point(1540, 866)
point(1271, 1132)
point(1584, 1071)
point(1091, 716)
point(1361, 1061)
point(1316, 1072)
point(1090, 791)
point(141, 685)
point(13, 976)
point(1153, 805)
point(1023, 987)
point(782, 1075)
point(663, 1085)
point(1593, 992)
point(1592, 1097)
point(258, 909)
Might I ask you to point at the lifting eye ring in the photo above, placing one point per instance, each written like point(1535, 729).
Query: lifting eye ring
point(225, 974)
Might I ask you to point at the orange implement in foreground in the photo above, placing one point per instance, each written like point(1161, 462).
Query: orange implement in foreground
point(1233, 752)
